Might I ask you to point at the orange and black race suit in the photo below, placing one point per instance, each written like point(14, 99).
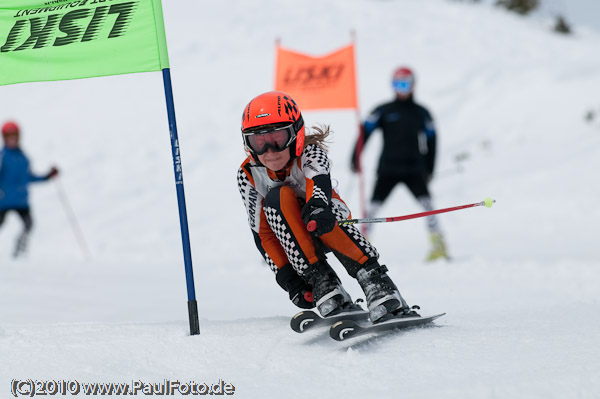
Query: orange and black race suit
point(274, 202)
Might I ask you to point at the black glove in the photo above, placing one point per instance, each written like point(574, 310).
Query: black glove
point(300, 292)
point(318, 211)
point(52, 173)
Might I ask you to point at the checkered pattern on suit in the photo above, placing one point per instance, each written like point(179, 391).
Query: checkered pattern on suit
point(283, 232)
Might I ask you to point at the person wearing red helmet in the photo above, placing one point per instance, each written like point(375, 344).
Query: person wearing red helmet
point(408, 155)
point(285, 185)
point(15, 176)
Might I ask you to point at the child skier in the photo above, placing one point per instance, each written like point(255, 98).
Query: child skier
point(15, 176)
point(285, 184)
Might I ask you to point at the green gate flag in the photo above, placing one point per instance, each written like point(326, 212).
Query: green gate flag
point(44, 40)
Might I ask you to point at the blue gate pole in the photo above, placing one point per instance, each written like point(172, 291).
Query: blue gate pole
point(183, 221)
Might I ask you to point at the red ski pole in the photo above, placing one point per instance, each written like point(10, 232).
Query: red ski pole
point(488, 202)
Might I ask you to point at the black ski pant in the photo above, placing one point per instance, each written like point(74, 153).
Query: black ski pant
point(25, 215)
point(385, 183)
point(415, 182)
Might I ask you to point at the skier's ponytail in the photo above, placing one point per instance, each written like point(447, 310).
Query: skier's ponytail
point(318, 135)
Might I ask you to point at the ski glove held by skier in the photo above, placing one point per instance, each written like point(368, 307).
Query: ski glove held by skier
point(299, 291)
point(318, 211)
point(53, 173)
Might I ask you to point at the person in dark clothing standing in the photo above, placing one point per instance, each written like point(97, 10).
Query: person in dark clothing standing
point(408, 156)
point(15, 176)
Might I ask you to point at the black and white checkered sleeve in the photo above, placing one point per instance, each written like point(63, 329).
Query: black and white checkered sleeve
point(251, 198)
point(315, 165)
point(315, 161)
point(253, 202)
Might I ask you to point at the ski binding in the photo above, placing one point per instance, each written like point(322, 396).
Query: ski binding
point(345, 329)
point(308, 319)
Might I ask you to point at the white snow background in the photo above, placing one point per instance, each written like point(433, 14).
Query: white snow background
point(521, 296)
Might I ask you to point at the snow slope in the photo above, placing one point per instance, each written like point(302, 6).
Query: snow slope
point(509, 98)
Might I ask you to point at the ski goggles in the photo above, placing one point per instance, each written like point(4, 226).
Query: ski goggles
point(277, 139)
point(403, 86)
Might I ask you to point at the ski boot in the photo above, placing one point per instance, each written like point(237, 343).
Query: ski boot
point(383, 298)
point(329, 296)
point(439, 247)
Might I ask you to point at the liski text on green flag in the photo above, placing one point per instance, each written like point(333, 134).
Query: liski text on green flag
point(45, 40)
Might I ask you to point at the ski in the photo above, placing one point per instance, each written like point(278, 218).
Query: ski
point(308, 319)
point(345, 329)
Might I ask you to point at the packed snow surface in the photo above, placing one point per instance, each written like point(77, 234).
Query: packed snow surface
point(521, 294)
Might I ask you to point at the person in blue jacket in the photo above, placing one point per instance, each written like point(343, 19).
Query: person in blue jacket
point(408, 155)
point(15, 176)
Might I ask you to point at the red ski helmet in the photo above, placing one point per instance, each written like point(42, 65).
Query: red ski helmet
point(403, 80)
point(272, 120)
point(10, 128)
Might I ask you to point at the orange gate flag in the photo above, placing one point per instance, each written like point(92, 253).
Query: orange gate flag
point(318, 82)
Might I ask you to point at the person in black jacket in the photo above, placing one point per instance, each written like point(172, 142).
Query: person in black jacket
point(408, 156)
